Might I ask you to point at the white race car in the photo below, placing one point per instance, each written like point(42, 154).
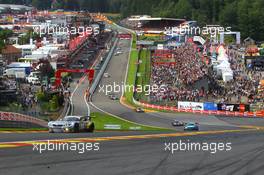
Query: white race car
point(72, 124)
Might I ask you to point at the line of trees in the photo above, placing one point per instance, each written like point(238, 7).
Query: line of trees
point(4, 34)
point(242, 15)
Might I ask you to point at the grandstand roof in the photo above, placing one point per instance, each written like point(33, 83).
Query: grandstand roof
point(15, 7)
point(143, 18)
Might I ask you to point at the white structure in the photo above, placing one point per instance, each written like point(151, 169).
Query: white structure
point(227, 75)
point(224, 65)
point(26, 49)
point(199, 39)
point(223, 69)
point(222, 37)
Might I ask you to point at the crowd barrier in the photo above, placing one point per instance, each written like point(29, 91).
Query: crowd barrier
point(207, 112)
point(158, 55)
point(164, 63)
point(125, 36)
point(9, 116)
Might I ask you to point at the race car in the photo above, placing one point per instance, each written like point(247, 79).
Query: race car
point(177, 123)
point(191, 127)
point(106, 75)
point(140, 110)
point(72, 124)
point(113, 97)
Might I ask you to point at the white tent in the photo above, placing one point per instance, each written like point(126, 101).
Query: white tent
point(225, 65)
point(222, 57)
point(227, 75)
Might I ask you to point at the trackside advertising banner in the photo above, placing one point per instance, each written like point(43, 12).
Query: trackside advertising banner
point(210, 106)
point(233, 107)
point(190, 105)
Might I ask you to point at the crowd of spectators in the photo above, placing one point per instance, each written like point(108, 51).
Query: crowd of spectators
point(178, 79)
point(245, 82)
point(28, 97)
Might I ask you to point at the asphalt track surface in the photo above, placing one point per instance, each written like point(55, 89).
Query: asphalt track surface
point(140, 156)
point(143, 157)
point(117, 71)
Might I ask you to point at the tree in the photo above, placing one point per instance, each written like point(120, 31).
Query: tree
point(71, 5)
point(4, 35)
point(228, 16)
point(57, 4)
point(183, 9)
point(244, 22)
point(46, 69)
point(40, 5)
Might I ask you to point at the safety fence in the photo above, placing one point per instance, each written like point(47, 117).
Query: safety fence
point(206, 112)
point(98, 77)
point(9, 116)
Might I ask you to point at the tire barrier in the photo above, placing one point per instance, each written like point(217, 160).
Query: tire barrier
point(9, 116)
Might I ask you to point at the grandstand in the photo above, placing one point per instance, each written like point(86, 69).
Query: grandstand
point(14, 8)
point(152, 25)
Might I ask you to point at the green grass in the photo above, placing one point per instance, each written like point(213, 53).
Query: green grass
point(132, 70)
point(144, 69)
point(151, 38)
point(101, 119)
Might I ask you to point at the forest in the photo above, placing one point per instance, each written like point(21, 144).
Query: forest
point(245, 16)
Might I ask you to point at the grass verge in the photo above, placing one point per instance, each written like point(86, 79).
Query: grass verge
point(143, 80)
point(132, 70)
point(100, 120)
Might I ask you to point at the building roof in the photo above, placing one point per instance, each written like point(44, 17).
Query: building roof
point(9, 49)
point(25, 46)
point(15, 7)
point(18, 65)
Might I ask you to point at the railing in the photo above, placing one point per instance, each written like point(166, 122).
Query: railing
point(10, 116)
point(207, 112)
point(102, 70)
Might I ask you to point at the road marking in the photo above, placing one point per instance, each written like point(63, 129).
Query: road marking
point(116, 138)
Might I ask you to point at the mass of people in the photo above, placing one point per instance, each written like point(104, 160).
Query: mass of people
point(181, 78)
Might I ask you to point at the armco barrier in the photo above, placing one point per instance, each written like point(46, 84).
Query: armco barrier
point(9, 116)
point(222, 113)
point(102, 70)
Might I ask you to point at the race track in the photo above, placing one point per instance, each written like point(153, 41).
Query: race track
point(139, 153)
point(143, 157)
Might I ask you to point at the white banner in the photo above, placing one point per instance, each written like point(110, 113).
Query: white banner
point(190, 105)
point(110, 126)
point(199, 39)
